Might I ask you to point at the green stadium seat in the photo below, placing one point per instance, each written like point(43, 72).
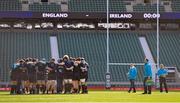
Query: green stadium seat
point(15, 45)
point(92, 45)
point(175, 5)
point(169, 49)
point(150, 8)
point(96, 6)
point(45, 7)
point(10, 5)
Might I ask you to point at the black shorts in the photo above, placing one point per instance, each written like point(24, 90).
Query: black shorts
point(83, 75)
point(32, 78)
point(40, 76)
point(51, 76)
point(60, 76)
point(14, 77)
point(24, 76)
point(68, 75)
point(76, 76)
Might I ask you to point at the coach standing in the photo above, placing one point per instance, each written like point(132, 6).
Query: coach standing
point(147, 76)
point(132, 76)
point(162, 72)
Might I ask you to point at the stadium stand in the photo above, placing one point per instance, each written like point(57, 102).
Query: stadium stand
point(92, 45)
point(175, 5)
point(87, 6)
point(169, 49)
point(45, 7)
point(123, 42)
point(147, 8)
point(10, 5)
point(121, 45)
point(117, 6)
point(96, 6)
point(100, 6)
point(14, 45)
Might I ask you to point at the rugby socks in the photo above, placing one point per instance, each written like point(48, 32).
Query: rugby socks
point(79, 89)
point(13, 89)
point(69, 87)
point(75, 90)
point(38, 88)
point(66, 88)
point(26, 90)
point(43, 89)
point(83, 89)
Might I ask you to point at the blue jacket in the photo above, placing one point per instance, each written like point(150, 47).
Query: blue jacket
point(147, 70)
point(132, 73)
point(162, 72)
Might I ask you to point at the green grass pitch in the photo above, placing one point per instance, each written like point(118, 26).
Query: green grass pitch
point(93, 96)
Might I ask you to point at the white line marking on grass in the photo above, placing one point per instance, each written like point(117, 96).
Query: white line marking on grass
point(94, 102)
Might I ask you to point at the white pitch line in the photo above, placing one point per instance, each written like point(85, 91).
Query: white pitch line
point(95, 102)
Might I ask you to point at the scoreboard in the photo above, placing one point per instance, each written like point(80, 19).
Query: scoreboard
point(87, 20)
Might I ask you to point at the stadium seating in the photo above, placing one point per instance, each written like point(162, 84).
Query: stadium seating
point(169, 49)
point(96, 6)
point(125, 48)
point(175, 5)
point(88, 44)
point(14, 45)
point(121, 47)
point(92, 45)
point(87, 5)
point(121, 43)
point(45, 7)
point(10, 5)
point(147, 8)
point(117, 6)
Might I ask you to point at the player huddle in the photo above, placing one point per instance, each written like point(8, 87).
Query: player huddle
point(31, 76)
